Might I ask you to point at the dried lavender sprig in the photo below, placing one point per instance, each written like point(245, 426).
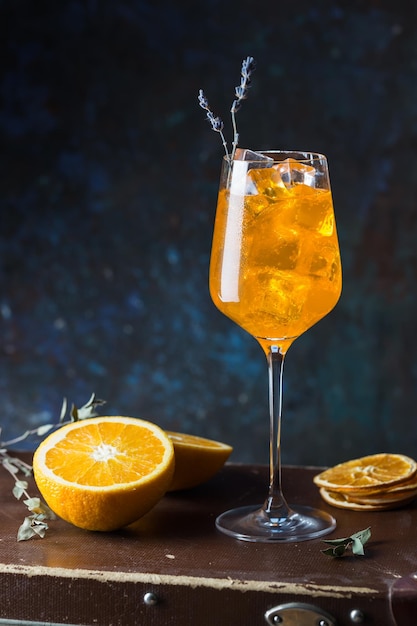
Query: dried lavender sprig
point(241, 93)
point(216, 123)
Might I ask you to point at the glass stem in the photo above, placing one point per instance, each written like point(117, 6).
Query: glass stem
point(275, 505)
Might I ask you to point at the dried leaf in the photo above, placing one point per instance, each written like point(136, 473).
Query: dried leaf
point(89, 409)
point(32, 526)
point(63, 410)
point(37, 506)
point(355, 542)
point(42, 430)
point(19, 488)
point(25, 531)
point(362, 535)
point(338, 550)
point(357, 547)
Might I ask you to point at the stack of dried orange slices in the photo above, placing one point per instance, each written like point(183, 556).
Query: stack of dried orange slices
point(370, 483)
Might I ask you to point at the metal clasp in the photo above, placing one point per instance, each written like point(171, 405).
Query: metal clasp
point(298, 614)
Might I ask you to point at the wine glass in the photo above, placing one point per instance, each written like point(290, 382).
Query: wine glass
point(275, 271)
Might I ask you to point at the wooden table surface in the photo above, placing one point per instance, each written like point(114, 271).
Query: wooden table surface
point(175, 552)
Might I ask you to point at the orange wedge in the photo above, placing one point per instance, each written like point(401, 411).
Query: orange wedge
point(104, 473)
point(196, 459)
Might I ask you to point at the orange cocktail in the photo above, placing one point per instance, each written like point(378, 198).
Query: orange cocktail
point(275, 267)
point(275, 270)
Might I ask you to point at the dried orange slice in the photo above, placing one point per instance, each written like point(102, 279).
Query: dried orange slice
point(384, 498)
point(408, 485)
point(105, 472)
point(341, 501)
point(401, 488)
point(367, 474)
point(196, 459)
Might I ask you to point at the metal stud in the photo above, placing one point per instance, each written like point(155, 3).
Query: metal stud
point(150, 598)
point(356, 616)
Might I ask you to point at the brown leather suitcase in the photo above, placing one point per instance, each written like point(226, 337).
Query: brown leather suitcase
point(174, 568)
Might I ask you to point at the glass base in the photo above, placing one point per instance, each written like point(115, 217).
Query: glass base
point(253, 523)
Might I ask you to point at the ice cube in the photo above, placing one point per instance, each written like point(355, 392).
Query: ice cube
point(314, 209)
point(320, 260)
point(275, 294)
point(278, 248)
point(255, 204)
point(286, 298)
point(262, 176)
point(243, 154)
point(325, 264)
point(268, 182)
point(294, 172)
point(243, 161)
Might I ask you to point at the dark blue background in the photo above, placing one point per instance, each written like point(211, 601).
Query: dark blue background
point(109, 178)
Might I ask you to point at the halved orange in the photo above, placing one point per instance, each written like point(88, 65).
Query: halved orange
point(368, 473)
point(196, 459)
point(106, 472)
